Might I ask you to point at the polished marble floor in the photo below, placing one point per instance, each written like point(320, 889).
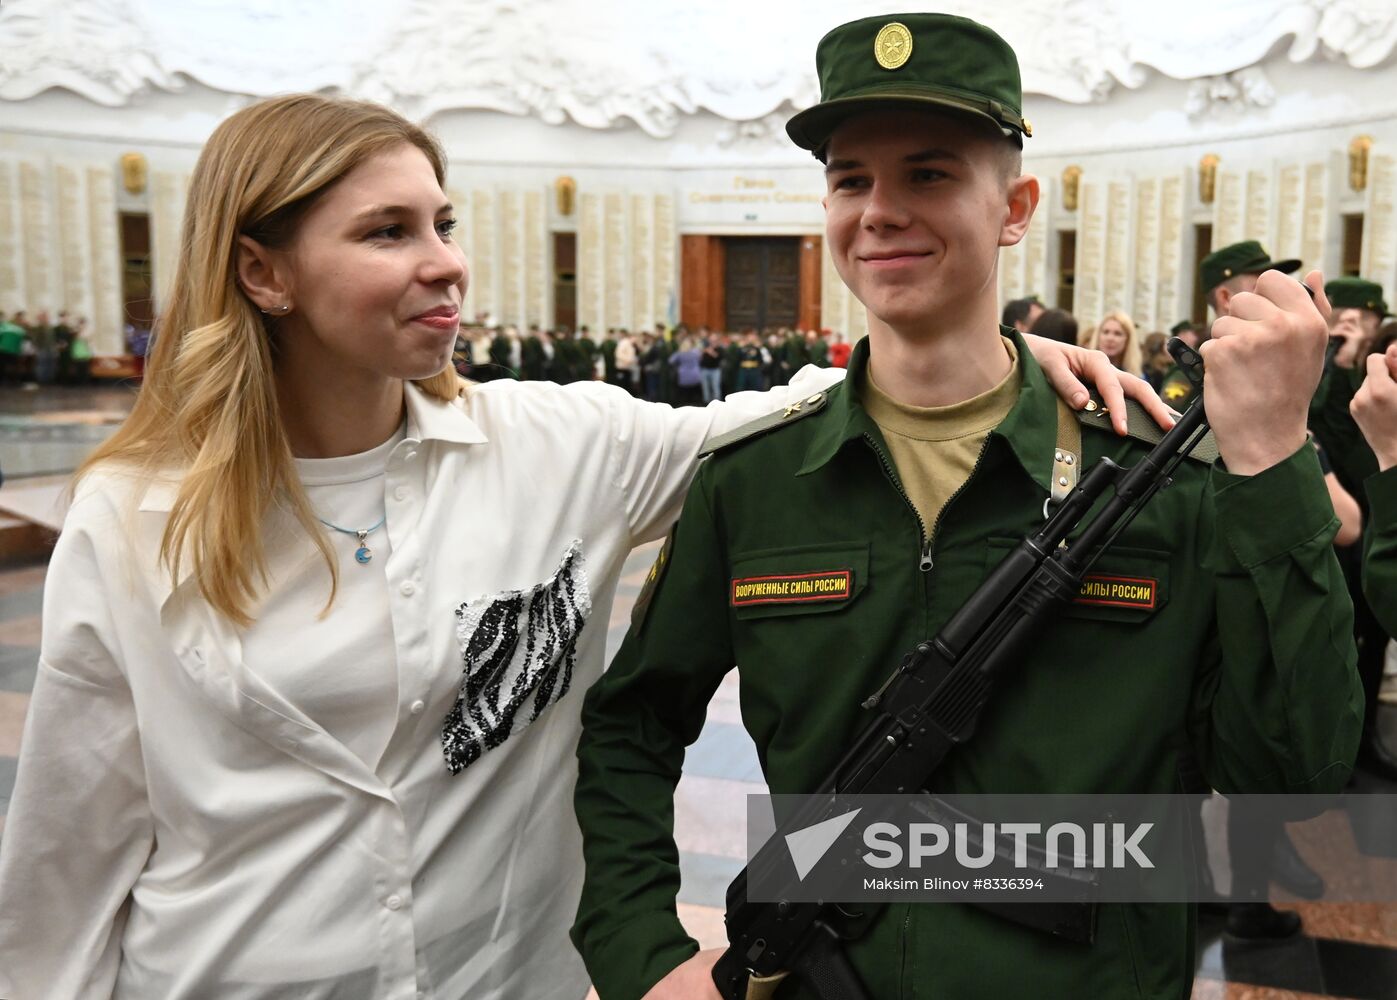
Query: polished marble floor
point(1346, 950)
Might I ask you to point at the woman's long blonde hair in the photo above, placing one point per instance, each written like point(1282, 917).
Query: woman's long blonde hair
point(1133, 360)
point(207, 410)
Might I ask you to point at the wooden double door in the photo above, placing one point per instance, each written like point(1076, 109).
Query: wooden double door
point(761, 281)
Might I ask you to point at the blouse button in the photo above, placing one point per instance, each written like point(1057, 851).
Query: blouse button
point(417, 707)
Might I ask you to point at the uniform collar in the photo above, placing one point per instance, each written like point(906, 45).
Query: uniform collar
point(1029, 431)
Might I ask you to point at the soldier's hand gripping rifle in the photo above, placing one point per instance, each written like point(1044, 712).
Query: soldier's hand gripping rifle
point(933, 702)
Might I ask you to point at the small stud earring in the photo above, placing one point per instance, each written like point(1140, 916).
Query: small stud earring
point(280, 310)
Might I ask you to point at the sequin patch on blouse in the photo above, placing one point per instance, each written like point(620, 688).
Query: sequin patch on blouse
point(518, 649)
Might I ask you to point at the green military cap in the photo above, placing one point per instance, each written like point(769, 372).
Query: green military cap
point(1246, 257)
point(1181, 326)
point(936, 61)
point(1355, 293)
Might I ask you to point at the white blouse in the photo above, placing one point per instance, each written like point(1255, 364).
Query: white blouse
point(192, 818)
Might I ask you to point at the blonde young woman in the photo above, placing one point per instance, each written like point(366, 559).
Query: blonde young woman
point(317, 626)
point(1115, 337)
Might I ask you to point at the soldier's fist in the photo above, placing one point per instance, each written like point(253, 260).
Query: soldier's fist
point(1261, 368)
point(1374, 406)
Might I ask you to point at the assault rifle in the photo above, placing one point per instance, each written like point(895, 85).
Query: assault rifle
point(933, 702)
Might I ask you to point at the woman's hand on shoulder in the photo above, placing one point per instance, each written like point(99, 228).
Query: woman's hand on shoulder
point(1069, 367)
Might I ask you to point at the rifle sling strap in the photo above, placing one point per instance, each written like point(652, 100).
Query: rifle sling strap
point(1067, 455)
point(764, 987)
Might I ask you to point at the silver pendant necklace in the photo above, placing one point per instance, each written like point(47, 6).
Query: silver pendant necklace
point(363, 553)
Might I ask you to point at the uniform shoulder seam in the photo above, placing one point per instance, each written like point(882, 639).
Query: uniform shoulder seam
point(767, 423)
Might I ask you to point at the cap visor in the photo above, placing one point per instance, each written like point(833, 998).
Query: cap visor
point(812, 128)
point(1287, 266)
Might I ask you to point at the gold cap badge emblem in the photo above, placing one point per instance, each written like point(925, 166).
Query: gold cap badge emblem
point(1027, 127)
point(893, 46)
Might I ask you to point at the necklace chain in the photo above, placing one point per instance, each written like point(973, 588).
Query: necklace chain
point(363, 553)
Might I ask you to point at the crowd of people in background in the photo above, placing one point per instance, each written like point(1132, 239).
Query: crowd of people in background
point(44, 350)
point(684, 366)
point(666, 364)
point(1147, 355)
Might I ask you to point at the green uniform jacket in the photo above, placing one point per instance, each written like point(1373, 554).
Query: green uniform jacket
point(1380, 549)
point(796, 354)
point(1246, 661)
point(1350, 456)
point(533, 359)
point(500, 350)
point(11, 338)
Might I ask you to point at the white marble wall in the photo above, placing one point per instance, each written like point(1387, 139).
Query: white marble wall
point(1135, 230)
point(11, 240)
point(839, 310)
point(58, 243)
point(1380, 224)
point(59, 246)
point(168, 194)
point(627, 260)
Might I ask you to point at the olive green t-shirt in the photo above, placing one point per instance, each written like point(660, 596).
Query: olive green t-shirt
point(935, 447)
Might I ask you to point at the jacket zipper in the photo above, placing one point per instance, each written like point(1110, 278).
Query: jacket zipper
point(924, 559)
point(936, 527)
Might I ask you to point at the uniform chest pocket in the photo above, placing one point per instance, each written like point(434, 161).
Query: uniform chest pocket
point(1125, 585)
point(800, 580)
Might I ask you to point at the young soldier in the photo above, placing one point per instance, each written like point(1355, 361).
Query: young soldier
point(1375, 410)
point(900, 490)
point(1358, 312)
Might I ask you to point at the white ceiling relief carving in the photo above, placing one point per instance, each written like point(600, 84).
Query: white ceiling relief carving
point(1234, 92)
point(607, 63)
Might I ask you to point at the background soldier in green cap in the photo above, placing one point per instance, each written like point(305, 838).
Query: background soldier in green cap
point(1375, 410)
point(1222, 274)
point(899, 489)
point(1358, 310)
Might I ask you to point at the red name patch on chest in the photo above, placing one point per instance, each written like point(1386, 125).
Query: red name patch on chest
point(1101, 591)
point(793, 588)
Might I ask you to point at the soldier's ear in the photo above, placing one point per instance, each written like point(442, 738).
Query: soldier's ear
point(1021, 196)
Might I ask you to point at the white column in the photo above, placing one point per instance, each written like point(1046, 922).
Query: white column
point(643, 308)
point(12, 294)
point(1144, 304)
point(41, 279)
point(485, 253)
point(590, 266)
point(106, 321)
point(538, 277)
point(615, 255)
point(1229, 221)
point(1089, 295)
point(1173, 276)
point(1380, 224)
point(666, 272)
point(1314, 231)
point(1290, 211)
